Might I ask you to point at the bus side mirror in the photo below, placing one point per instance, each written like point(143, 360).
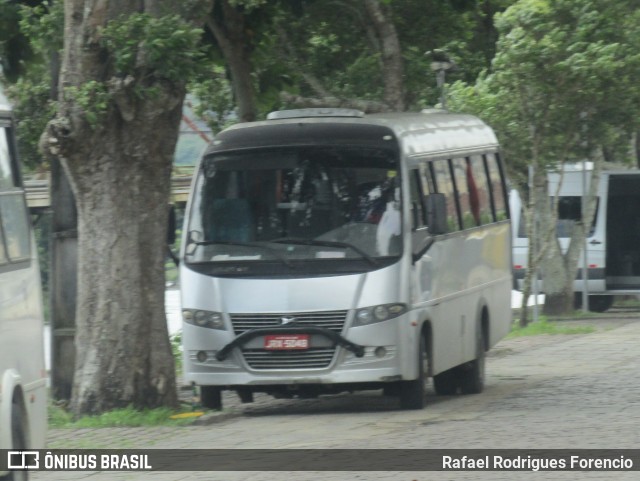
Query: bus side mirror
point(171, 228)
point(436, 205)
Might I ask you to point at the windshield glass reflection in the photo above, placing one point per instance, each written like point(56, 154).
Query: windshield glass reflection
point(304, 204)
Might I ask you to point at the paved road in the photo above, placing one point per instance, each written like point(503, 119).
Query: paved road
point(577, 391)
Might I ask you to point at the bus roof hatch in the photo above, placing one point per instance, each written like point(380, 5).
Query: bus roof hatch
point(315, 112)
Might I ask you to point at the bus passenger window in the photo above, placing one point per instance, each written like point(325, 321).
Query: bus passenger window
point(497, 189)
point(477, 180)
point(469, 208)
point(444, 185)
point(417, 208)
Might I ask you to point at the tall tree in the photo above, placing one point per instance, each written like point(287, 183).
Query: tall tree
point(124, 70)
point(561, 88)
point(228, 25)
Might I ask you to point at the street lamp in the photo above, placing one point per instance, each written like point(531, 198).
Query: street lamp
point(440, 64)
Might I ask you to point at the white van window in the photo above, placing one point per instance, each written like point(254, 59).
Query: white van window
point(570, 212)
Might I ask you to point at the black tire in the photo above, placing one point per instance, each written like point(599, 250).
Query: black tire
point(211, 397)
point(18, 439)
point(471, 374)
point(446, 383)
point(597, 303)
point(391, 390)
point(600, 303)
point(413, 393)
point(245, 395)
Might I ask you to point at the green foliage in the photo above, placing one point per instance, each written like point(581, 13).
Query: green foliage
point(33, 48)
point(43, 25)
point(162, 47)
point(215, 97)
point(31, 95)
point(93, 98)
point(562, 81)
point(13, 45)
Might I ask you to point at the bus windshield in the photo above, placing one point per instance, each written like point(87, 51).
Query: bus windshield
point(306, 209)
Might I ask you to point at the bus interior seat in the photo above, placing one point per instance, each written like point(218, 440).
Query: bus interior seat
point(309, 224)
point(229, 220)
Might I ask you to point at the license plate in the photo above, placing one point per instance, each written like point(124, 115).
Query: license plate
point(286, 342)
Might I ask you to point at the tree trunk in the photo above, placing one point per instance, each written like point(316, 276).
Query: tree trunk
point(228, 26)
point(119, 168)
point(392, 60)
point(124, 356)
point(532, 265)
point(560, 267)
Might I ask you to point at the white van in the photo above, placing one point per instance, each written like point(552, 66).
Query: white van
point(328, 250)
point(23, 389)
point(613, 243)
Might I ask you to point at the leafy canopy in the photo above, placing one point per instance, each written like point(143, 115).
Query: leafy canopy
point(562, 81)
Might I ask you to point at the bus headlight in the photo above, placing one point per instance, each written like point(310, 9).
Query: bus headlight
point(210, 319)
point(383, 312)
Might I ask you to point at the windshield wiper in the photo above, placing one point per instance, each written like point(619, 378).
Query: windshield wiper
point(271, 250)
point(323, 243)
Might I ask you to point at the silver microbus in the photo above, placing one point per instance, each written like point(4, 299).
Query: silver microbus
point(328, 251)
point(23, 389)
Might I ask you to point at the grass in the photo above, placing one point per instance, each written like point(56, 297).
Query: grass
point(125, 417)
point(544, 326)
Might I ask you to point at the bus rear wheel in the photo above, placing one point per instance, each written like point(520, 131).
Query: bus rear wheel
point(211, 397)
point(413, 393)
point(471, 374)
point(446, 383)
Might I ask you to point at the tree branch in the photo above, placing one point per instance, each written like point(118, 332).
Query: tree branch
point(293, 56)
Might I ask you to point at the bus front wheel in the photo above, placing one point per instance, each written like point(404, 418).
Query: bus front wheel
point(413, 393)
point(18, 440)
point(211, 397)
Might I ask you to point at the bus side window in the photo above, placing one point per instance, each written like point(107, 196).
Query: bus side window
point(478, 182)
point(444, 185)
point(469, 208)
point(417, 206)
point(497, 187)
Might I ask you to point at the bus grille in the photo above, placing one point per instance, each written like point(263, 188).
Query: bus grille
point(333, 320)
point(314, 358)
